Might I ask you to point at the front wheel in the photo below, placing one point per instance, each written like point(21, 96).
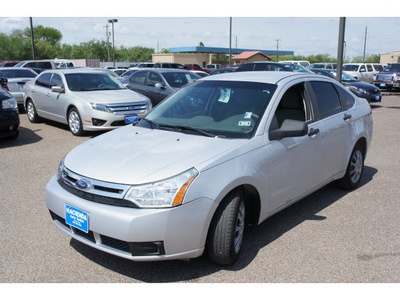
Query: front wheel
point(75, 122)
point(227, 229)
point(33, 117)
point(354, 169)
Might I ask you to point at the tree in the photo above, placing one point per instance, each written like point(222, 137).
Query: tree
point(48, 34)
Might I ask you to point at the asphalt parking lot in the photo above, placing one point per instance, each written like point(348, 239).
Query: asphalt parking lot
point(331, 236)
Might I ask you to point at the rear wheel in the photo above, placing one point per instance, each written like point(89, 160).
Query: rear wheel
point(227, 229)
point(354, 170)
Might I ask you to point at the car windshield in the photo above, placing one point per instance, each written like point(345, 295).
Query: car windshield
point(392, 68)
point(299, 68)
point(352, 68)
point(17, 73)
point(19, 64)
point(345, 77)
point(214, 108)
point(78, 82)
point(179, 79)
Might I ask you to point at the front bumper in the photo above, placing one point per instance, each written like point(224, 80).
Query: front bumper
point(181, 231)
point(9, 123)
point(386, 84)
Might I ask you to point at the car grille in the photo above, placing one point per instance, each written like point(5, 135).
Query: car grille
point(129, 108)
point(97, 191)
point(384, 77)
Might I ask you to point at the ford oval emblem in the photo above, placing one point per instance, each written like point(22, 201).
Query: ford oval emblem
point(83, 184)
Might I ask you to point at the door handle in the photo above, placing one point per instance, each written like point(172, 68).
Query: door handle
point(346, 117)
point(313, 131)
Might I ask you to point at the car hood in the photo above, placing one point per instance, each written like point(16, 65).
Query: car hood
point(135, 155)
point(110, 96)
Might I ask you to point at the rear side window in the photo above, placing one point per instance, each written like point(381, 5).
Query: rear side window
point(327, 98)
point(44, 80)
point(139, 78)
point(245, 67)
point(369, 68)
point(347, 98)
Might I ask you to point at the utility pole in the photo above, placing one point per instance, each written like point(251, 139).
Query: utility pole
point(277, 49)
point(365, 43)
point(108, 43)
point(230, 41)
point(33, 39)
point(112, 21)
point(342, 24)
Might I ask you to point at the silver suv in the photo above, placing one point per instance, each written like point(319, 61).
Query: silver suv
point(222, 152)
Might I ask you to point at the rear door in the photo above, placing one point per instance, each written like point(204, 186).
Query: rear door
point(41, 93)
point(335, 114)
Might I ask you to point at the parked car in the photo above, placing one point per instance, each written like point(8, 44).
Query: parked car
point(221, 153)
point(224, 70)
point(359, 88)
point(5, 64)
point(45, 64)
point(195, 67)
point(157, 84)
point(389, 78)
point(323, 66)
point(63, 63)
point(213, 67)
point(360, 71)
point(17, 77)
point(271, 66)
point(9, 116)
point(303, 63)
point(200, 73)
point(84, 99)
point(168, 65)
point(124, 78)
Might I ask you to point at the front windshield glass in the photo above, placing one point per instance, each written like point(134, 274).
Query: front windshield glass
point(299, 68)
point(392, 68)
point(179, 79)
point(218, 108)
point(351, 68)
point(78, 82)
point(345, 77)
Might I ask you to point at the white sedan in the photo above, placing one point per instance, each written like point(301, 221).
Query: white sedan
point(85, 99)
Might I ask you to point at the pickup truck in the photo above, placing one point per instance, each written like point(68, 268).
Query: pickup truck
point(389, 78)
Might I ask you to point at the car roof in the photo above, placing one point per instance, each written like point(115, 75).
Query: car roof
point(75, 70)
point(161, 70)
point(272, 77)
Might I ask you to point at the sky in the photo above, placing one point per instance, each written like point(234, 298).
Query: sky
point(288, 26)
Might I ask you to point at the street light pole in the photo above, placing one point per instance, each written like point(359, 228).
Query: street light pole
point(112, 21)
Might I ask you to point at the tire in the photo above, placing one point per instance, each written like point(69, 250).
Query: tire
point(31, 112)
point(75, 122)
point(354, 169)
point(227, 229)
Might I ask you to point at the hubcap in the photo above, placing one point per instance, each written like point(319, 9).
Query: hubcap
point(30, 111)
point(240, 220)
point(74, 121)
point(356, 166)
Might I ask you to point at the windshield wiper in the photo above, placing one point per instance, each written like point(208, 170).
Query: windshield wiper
point(182, 127)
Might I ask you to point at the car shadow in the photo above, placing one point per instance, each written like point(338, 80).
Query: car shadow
point(26, 136)
point(255, 239)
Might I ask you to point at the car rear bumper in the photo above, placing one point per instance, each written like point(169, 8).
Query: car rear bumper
point(134, 233)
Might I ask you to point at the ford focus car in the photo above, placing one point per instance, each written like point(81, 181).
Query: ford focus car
point(84, 99)
point(223, 152)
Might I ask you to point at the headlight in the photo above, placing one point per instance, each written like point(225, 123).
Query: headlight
point(357, 89)
point(164, 193)
point(101, 107)
point(9, 104)
point(60, 169)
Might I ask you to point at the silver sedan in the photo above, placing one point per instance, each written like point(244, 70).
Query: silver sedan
point(223, 152)
point(17, 78)
point(85, 99)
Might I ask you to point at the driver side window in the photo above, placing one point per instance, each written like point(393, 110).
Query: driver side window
point(293, 106)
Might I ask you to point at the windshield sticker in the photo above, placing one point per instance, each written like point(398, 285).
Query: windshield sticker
point(247, 115)
point(224, 96)
point(244, 123)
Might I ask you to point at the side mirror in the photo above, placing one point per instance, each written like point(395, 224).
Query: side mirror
point(289, 128)
point(159, 85)
point(57, 89)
